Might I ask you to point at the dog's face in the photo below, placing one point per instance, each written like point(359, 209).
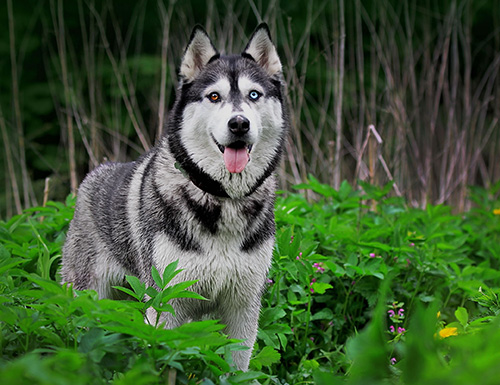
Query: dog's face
point(229, 119)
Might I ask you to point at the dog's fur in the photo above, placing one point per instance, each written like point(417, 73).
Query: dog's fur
point(185, 200)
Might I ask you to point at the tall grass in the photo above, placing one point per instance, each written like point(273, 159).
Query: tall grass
point(425, 77)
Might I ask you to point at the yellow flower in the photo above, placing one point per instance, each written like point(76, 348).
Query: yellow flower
point(446, 332)
point(496, 212)
point(438, 314)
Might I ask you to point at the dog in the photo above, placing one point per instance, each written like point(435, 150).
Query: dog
point(204, 195)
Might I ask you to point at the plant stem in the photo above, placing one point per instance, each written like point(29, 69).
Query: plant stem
point(17, 107)
point(339, 97)
point(10, 164)
point(308, 318)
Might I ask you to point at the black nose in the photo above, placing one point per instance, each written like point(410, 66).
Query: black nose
point(239, 125)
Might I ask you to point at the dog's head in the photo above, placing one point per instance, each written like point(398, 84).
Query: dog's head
point(229, 122)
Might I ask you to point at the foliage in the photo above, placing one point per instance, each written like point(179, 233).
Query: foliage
point(363, 289)
point(52, 335)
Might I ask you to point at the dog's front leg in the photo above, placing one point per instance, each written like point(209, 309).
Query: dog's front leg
point(242, 323)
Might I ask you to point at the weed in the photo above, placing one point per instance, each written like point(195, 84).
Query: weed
point(363, 289)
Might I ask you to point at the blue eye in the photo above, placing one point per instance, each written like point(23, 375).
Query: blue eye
point(254, 95)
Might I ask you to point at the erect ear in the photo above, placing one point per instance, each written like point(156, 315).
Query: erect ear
point(199, 52)
point(262, 50)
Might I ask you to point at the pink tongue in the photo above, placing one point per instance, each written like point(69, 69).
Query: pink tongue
point(236, 159)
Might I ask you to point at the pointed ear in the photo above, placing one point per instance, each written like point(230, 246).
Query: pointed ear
point(199, 52)
point(262, 50)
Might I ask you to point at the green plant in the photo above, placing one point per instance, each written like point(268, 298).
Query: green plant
point(363, 289)
point(52, 335)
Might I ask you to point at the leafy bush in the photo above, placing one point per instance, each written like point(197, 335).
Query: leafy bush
point(363, 289)
point(49, 335)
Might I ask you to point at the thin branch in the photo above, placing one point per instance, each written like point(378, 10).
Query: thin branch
point(339, 98)
point(166, 16)
point(17, 107)
point(58, 20)
point(128, 105)
point(10, 164)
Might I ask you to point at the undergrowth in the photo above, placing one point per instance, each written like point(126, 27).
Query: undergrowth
point(363, 290)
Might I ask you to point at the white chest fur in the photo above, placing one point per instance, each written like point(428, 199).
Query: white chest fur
point(220, 264)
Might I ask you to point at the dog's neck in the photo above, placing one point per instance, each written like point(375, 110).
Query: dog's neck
point(211, 189)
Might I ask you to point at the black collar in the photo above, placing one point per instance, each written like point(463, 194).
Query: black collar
point(203, 182)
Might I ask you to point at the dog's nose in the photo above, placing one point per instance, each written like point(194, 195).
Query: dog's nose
point(239, 125)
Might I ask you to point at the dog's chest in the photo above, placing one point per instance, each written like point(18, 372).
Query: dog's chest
point(217, 258)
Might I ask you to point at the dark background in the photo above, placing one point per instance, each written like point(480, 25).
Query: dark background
point(81, 83)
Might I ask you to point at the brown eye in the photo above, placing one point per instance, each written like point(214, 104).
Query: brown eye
point(214, 97)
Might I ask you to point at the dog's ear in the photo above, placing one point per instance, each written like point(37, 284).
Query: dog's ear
point(262, 50)
point(199, 52)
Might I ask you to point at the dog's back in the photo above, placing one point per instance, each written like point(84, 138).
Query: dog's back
point(98, 240)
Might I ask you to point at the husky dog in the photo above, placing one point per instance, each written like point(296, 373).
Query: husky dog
point(204, 195)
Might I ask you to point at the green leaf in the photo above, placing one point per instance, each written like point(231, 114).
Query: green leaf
point(4, 253)
point(325, 314)
point(311, 364)
point(181, 286)
point(166, 307)
point(170, 272)
point(151, 291)
point(270, 339)
point(335, 269)
point(137, 286)
point(216, 359)
point(462, 316)
point(186, 294)
point(128, 291)
point(46, 284)
point(246, 377)
point(156, 277)
point(320, 287)
point(344, 190)
point(376, 245)
point(272, 314)
point(266, 357)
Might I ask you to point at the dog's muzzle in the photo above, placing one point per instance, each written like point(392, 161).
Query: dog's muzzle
point(236, 154)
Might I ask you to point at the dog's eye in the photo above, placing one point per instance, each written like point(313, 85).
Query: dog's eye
point(254, 95)
point(214, 97)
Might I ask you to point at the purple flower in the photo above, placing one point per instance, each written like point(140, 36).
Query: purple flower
point(297, 258)
point(412, 244)
point(269, 280)
point(372, 255)
point(401, 312)
point(311, 338)
point(401, 330)
point(318, 267)
point(391, 329)
point(393, 361)
point(391, 313)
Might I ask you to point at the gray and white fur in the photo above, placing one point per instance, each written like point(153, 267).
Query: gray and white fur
point(204, 195)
